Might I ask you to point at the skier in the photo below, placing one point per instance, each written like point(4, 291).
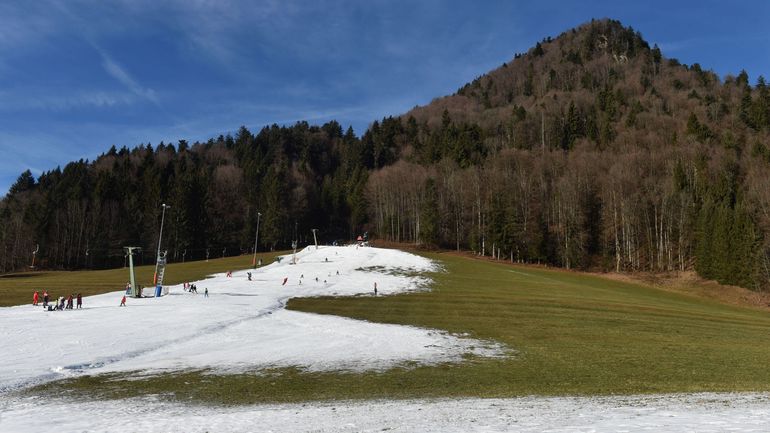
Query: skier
point(45, 298)
point(206, 292)
point(248, 274)
point(123, 301)
point(80, 301)
point(34, 298)
point(69, 302)
point(61, 303)
point(285, 279)
point(375, 288)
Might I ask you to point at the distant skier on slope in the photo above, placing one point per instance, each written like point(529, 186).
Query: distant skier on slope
point(123, 301)
point(80, 301)
point(285, 279)
point(35, 298)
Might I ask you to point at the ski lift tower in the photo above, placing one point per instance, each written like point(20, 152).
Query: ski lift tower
point(315, 238)
point(34, 255)
point(160, 238)
point(130, 251)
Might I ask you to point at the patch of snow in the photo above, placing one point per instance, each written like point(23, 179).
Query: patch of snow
point(241, 326)
point(703, 413)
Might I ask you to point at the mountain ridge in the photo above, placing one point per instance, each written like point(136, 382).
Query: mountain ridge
point(590, 150)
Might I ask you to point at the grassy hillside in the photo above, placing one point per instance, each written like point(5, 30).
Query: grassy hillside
point(572, 334)
point(17, 289)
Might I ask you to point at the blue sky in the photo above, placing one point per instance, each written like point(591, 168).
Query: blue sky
point(78, 76)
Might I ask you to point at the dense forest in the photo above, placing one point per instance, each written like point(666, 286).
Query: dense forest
point(592, 150)
point(297, 178)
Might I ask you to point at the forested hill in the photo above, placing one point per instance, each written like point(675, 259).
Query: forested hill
point(592, 150)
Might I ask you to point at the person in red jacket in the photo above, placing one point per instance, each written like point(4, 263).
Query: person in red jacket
point(123, 301)
point(35, 298)
point(80, 301)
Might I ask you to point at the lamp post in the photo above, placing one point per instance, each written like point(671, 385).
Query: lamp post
point(160, 237)
point(256, 239)
point(294, 245)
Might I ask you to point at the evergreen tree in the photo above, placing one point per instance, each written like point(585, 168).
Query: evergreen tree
point(24, 182)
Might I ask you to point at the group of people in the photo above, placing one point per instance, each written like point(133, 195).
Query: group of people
point(192, 288)
point(61, 303)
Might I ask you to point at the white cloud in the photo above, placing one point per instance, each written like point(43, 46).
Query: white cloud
point(120, 74)
point(46, 100)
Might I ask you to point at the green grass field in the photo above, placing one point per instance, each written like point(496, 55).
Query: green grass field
point(573, 335)
point(17, 288)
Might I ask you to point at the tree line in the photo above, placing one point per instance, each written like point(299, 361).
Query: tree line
point(297, 178)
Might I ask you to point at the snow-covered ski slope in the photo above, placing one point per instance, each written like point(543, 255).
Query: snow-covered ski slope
point(241, 326)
